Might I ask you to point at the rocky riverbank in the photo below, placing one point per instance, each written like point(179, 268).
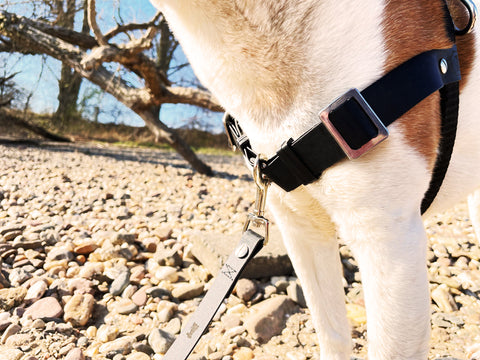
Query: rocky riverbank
point(97, 263)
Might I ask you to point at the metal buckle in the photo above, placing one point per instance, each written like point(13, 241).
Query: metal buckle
point(360, 101)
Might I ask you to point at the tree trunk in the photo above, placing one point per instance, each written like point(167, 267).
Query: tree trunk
point(68, 89)
point(162, 131)
point(70, 81)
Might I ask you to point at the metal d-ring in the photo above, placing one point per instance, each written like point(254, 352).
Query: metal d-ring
point(472, 12)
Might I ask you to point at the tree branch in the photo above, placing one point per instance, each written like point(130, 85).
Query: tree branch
point(92, 22)
point(26, 37)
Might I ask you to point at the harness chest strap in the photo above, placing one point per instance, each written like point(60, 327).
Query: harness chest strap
point(357, 121)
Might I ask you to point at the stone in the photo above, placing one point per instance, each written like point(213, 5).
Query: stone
point(168, 257)
point(106, 333)
point(78, 309)
point(125, 307)
point(48, 307)
point(80, 286)
point(187, 291)
point(37, 290)
point(10, 354)
point(160, 340)
point(269, 317)
point(212, 250)
point(243, 353)
point(140, 297)
point(120, 283)
point(75, 354)
point(61, 253)
point(158, 292)
point(122, 345)
point(167, 273)
point(173, 326)
point(18, 276)
point(295, 292)
point(444, 300)
point(9, 331)
point(85, 248)
point(245, 289)
point(165, 311)
point(27, 243)
point(138, 356)
point(11, 297)
point(19, 340)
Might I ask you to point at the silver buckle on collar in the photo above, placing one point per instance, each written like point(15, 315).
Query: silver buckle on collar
point(362, 103)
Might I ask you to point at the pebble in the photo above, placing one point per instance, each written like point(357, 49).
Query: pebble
point(78, 309)
point(113, 226)
point(47, 307)
point(160, 340)
point(187, 291)
point(37, 290)
point(268, 318)
point(105, 333)
point(122, 345)
point(9, 331)
point(75, 354)
point(295, 292)
point(120, 282)
point(12, 297)
point(245, 289)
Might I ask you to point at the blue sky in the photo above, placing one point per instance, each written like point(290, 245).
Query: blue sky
point(40, 75)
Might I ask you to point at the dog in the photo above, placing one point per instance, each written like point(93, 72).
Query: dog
point(273, 65)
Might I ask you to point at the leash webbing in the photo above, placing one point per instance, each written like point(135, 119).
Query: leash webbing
point(249, 245)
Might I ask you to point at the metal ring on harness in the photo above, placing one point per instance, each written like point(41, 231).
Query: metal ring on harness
point(472, 12)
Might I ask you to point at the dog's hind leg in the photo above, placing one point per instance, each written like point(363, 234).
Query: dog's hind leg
point(315, 257)
point(474, 211)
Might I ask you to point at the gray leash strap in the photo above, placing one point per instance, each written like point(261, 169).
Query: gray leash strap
point(249, 245)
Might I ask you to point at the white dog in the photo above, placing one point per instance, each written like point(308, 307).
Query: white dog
point(273, 65)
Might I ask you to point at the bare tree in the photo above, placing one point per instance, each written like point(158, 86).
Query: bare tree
point(89, 56)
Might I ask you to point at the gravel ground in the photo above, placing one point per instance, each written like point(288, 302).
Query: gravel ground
point(96, 263)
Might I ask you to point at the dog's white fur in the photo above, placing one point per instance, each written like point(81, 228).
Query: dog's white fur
point(274, 78)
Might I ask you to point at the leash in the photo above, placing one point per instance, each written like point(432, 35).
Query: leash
point(249, 245)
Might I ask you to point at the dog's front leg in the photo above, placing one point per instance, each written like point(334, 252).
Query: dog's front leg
point(313, 249)
point(392, 258)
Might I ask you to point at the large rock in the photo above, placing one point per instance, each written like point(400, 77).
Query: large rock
point(269, 317)
point(213, 249)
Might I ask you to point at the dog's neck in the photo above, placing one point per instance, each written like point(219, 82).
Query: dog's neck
point(274, 64)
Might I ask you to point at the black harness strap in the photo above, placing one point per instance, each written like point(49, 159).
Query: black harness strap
point(449, 103)
point(358, 118)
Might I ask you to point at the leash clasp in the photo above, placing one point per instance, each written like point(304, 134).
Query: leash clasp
point(256, 218)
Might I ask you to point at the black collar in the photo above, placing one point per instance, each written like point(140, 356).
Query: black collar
point(354, 123)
